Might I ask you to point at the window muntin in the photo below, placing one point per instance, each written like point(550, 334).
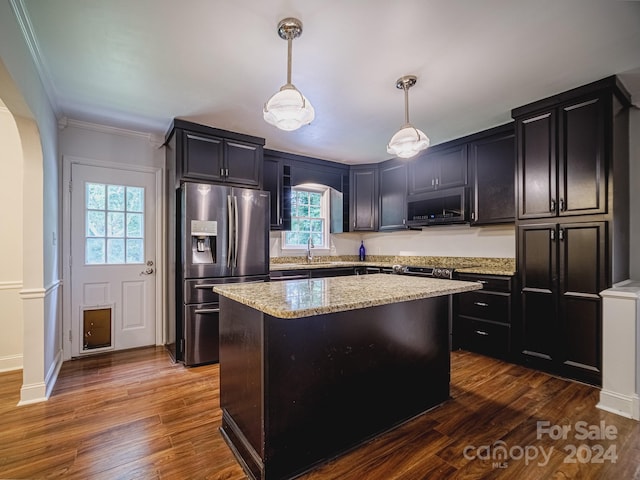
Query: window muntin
point(114, 219)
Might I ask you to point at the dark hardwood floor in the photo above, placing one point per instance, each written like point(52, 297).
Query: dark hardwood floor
point(135, 415)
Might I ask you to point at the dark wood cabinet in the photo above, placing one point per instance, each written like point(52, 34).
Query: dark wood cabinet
point(563, 269)
point(492, 164)
point(482, 318)
point(277, 181)
point(562, 159)
point(440, 167)
point(573, 222)
point(205, 154)
point(392, 212)
point(364, 198)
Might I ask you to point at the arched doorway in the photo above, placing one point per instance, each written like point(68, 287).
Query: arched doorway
point(24, 209)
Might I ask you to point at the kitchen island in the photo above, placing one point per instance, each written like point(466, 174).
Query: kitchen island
point(311, 368)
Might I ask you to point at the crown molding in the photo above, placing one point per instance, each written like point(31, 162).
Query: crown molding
point(153, 139)
point(24, 22)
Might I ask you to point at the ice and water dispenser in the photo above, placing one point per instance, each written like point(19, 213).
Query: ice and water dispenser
point(204, 234)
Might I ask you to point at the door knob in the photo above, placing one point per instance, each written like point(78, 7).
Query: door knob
point(149, 263)
point(148, 271)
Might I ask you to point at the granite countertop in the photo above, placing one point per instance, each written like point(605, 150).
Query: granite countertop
point(478, 265)
point(303, 298)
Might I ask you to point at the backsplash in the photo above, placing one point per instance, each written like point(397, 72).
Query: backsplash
point(497, 241)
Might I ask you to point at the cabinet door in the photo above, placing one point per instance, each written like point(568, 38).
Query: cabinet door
point(364, 199)
point(272, 183)
point(243, 163)
point(537, 264)
point(493, 163)
point(582, 172)
point(452, 167)
point(422, 174)
point(202, 157)
point(582, 277)
point(393, 196)
point(536, 137)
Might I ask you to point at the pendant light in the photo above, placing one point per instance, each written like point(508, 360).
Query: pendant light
point(407, 141)
point(288, 109)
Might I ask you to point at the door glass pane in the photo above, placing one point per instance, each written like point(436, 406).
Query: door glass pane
point(114, 224)
point(94, 251)
point(135, 199)
point(115, 197)
point(115, 251)
point(135, 251)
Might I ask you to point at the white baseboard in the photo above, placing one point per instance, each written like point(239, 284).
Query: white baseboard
point(11, 362)
point(40, 392)
point(623, 405)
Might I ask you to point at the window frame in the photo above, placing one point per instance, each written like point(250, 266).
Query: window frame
point(325, 211)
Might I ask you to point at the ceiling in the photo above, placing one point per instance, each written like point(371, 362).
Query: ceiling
point(138, 64)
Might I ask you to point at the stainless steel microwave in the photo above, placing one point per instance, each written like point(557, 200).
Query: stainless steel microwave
point(440, 207)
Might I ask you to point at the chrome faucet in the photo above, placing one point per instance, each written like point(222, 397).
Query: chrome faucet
point(310, 245)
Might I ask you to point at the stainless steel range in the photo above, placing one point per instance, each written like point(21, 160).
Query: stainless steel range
point(447, 273)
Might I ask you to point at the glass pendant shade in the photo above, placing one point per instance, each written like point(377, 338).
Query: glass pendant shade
point(407, 142)
point(288, 109)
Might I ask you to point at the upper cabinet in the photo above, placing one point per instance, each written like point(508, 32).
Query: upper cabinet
point(392, 211)
point(565, 148)
point(277, 181)
point(492, 169)
point(364, 198)
point(211, 155)
point(443, 166)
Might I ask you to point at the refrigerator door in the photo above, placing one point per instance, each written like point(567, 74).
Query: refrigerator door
point(250, 242)
point(204, 230)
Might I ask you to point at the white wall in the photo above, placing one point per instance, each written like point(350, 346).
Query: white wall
point(10, 243)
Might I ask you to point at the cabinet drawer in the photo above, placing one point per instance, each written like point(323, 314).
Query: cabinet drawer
point(493, 306)
point(489, 282)
point(484, 337)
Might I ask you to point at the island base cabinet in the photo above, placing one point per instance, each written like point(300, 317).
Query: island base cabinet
point(296, 393)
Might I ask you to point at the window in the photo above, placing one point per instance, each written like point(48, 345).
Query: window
point(114, 219)
point(309, 218)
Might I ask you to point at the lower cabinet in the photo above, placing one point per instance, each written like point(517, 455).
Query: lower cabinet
point(482, 318)
point(562, 271)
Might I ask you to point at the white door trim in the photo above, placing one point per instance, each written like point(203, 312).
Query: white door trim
point(67, 162)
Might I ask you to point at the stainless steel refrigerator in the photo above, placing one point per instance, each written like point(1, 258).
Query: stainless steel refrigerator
point(223, 237)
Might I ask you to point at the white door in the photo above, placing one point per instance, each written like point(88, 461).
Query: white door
point(112, 259)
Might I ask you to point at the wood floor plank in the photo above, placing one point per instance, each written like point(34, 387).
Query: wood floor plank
point(136, 415)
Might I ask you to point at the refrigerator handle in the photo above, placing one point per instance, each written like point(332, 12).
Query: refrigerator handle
point(230, 233)
point(235, 231)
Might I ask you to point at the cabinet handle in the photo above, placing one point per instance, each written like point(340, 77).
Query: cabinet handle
point(404, 221)
point(437, 181)
point(483, 333)
point(552, 233)
point(473, 216)
point(222, 172)
point(561, 234)
point(433, 182)
point(562, 206)
point(484, 282)
point(552, 207)
point(481, 304)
